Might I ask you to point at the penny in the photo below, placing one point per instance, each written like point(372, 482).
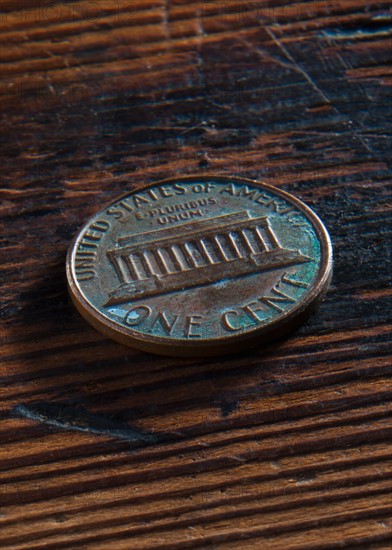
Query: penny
point(200, 266)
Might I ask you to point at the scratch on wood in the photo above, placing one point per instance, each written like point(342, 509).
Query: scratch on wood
point(166, 18)
point(70, 418)
point(200, 55)
point(356, 34)
point(295, 64)
point(314, 85)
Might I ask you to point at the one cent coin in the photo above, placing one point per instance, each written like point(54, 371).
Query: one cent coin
point(199, 266)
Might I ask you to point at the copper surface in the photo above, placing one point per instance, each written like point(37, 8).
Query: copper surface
point(202, 265)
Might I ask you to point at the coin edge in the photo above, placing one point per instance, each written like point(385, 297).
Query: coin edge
point(216, 345)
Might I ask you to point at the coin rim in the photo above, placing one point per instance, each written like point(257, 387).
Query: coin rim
point(216, 345)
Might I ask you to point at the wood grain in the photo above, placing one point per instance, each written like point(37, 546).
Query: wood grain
point(106, 447)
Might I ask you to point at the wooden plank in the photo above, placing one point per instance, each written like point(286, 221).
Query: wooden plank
point(283, 447)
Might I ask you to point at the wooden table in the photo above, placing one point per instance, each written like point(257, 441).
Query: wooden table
point(106, 447)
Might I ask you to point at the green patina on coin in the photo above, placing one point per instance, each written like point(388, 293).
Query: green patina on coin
point(193, 265)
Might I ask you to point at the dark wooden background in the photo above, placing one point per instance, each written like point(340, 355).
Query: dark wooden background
point(106, 447)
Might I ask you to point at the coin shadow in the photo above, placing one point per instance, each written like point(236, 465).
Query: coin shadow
point(73, 376)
